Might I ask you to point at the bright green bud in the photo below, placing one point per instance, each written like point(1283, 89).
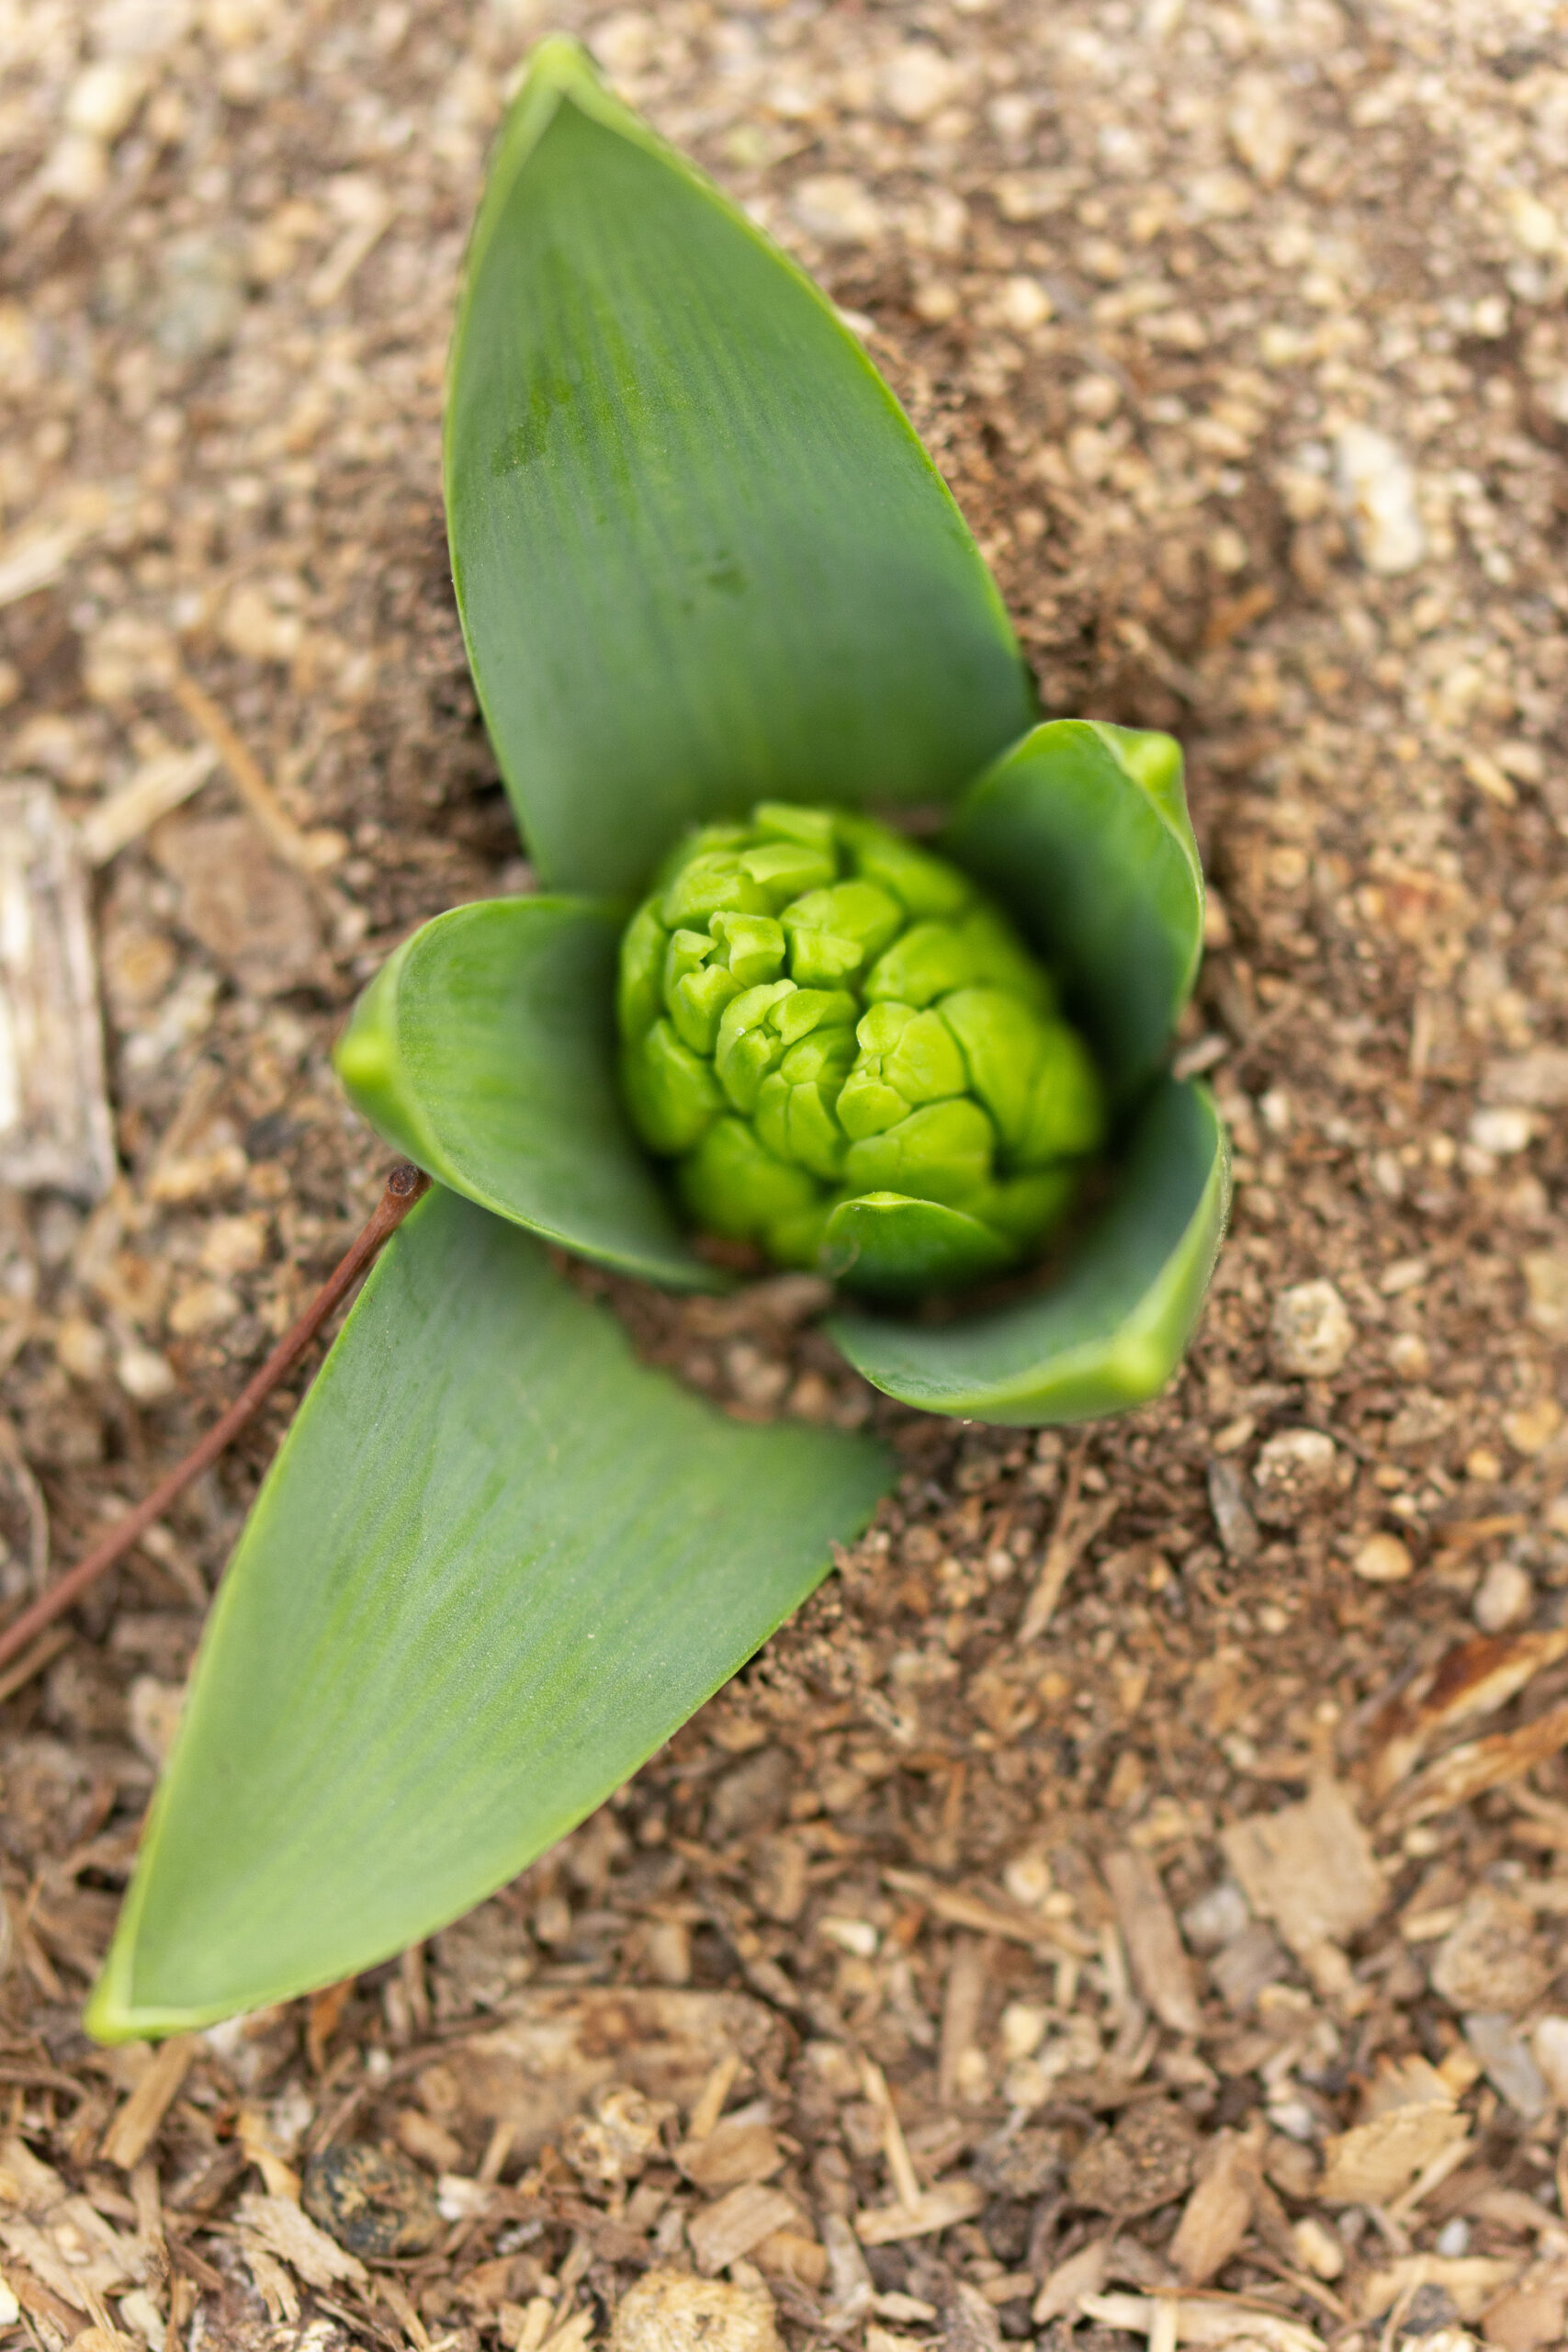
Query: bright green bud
point(942, 1152)
point(669, 1090)
point(734, 1185)
point(833, 932)
point(751, 947)
point(639, 998)
point(813, 1011)
point(923, 884)
point(748, 1045)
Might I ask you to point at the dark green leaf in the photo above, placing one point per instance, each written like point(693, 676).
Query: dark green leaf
point(496, 1565)
point(1082, 830)
point(1112, 1331)
point(700, 556)
point(485, 1049)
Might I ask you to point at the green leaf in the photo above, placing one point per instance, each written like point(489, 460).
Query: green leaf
point(1112, 1331)
point(485, 1049)
point(890, 1246)
point(496, 1565)
point(1082, 830)
point(701, 557)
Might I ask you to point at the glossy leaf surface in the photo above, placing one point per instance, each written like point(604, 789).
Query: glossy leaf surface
point(1082, 830)
point(485, 1049)
point(1110, 1333)
point(700, 556)
point(886, 1245)
point(496, 1565)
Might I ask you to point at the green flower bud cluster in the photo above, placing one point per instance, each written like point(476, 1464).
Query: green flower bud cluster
point(813, 1010)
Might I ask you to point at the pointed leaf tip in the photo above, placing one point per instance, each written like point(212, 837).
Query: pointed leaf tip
point(496, 1565)
point(1082, 830)
point(700, 556)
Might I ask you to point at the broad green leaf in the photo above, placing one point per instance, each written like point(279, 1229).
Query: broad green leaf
point(496, 1565)
point(700, 556)
point(1082, 830)
point(887, 1245)
point(1112, 1331)
point(485, 1049)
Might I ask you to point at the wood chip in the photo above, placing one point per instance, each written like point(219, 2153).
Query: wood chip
point(894, 2148)
point(1218, 2214)
point(1471, 2279)
point(1077, 1524)
point(560, 2045)
point(1376, 2160)
point(134, 2130)
point(159, 786)
point(1477, 1765)
point(1202, 2320)
point(992, 1916)
point(1161, 1969)
point(710, 2100)
point(935, 2209)
point(1310, 1869)
point(40, 2301)
point(1474, 1678)
point(721, 2234)
point(743, 2147)
point(1083, 2273)
point(34, 556)
point(282, 2229)
point(55, 1127)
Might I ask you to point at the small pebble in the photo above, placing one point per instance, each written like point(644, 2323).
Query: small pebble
point(1377, 483)
point(1453, 2239)
point(372, 2200)
point(836, 208)
point(1505, 1596)
point(1213, 1918)
point(1293, 1470)
point(1383, 1559)
point(1310, 1331)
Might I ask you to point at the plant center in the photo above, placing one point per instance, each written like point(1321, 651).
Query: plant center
point(815, 1012)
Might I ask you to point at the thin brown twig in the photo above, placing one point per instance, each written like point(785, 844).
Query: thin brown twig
point(404, 1186)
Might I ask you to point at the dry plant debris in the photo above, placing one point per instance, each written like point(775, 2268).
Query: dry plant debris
point(1127, 1908)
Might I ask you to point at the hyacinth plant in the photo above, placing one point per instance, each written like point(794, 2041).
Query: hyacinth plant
point(719, 607)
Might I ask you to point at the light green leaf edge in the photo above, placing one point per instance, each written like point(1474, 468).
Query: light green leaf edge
point(485, 1049)
point(886, 1243)
point(1082, 830)
point(701, 557)
point(1111, 1332)
point(496, 1565)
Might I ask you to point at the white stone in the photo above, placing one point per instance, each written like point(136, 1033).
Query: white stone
point(1262, 130)
point(1533, 223)
point(1502, 1131)
point(1549, 2043)
point(1505, 1596)
point(104, 97)
point(1377, 483)
point(1292, 1471)
point(1383, 1559)
point(918, 81)
point(836, 208)
point(1310, 1331)
point(1024, 304)
point(144, 1374)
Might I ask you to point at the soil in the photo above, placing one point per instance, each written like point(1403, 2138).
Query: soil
point(1138, 1868)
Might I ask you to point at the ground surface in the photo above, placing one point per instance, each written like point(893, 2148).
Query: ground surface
point(1239, 332)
